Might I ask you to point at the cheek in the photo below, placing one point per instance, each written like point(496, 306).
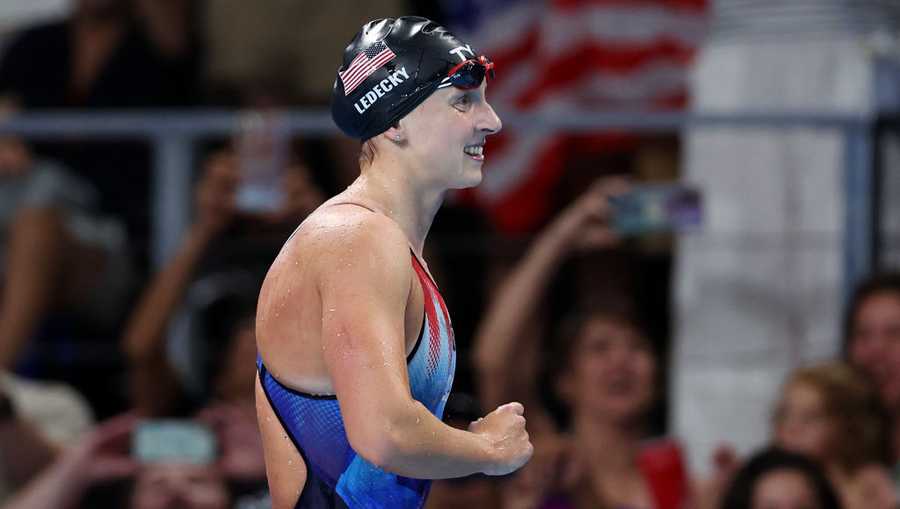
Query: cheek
point(823, 436)
point(863, 353)
point(646, 370)
point(585, 369)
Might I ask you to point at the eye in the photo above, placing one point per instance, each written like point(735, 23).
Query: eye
point(463, 102)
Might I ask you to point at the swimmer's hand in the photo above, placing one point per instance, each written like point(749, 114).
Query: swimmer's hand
point(504, 429)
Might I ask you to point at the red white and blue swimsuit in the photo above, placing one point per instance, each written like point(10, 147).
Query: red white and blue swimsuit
point(337, 476)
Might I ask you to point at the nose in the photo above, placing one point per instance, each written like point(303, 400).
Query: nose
point(489, 123)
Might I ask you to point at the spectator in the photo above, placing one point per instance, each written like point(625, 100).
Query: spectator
point(872, 343)
point(57, 253)
point(37, 419)
point(775, 479)
point(605, 374)
point(108, 54)
point(157, 388)
point(828, 413)
point(77, 479)
point(66, 275)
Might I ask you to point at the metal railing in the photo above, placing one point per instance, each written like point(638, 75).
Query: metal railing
point(173, 133)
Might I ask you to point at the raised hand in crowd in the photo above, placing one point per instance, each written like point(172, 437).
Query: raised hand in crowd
point(154, 384)
point(301, 196)
point(240, 444)
point(604, 373)
point(582, 225)
point(215, 193)
point(102, 456)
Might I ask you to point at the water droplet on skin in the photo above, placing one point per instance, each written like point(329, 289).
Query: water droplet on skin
point(268, 419)
point(417, 420)
point(331, 310)
point(290, 462)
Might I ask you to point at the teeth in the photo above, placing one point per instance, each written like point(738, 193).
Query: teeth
point(474, 150)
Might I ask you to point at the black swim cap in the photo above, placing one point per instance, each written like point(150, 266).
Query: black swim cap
point(390, 67)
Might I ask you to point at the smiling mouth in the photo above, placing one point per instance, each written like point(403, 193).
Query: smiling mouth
point(475, 152)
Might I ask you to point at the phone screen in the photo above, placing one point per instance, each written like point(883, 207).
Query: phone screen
point(263, 152)
point(657, 208)
point(180, 441)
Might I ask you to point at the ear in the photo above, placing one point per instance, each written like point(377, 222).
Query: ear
point(396, 133)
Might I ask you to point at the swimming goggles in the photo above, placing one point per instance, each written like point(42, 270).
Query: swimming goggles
point(469, 74)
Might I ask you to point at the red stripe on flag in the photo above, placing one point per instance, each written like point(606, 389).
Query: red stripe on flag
point(592, 59)
point(366, 69)
point(523, 208)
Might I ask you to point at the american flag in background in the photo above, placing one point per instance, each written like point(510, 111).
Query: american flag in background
point(365, 63)
point(564, 57)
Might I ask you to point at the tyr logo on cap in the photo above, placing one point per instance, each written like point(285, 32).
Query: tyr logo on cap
point(365, 63)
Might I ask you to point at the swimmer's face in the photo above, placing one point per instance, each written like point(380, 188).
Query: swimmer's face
point(613, 373)
point(784, 489)
point(874, 344)
point(182, 486)
point(803, 424)
point(446, 133)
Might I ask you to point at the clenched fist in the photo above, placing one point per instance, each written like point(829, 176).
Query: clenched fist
point(505, 430)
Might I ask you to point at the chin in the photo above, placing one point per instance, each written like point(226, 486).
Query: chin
point(468, 179)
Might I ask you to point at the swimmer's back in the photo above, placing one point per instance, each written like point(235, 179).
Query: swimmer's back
point(336, 238)
point(334, 244)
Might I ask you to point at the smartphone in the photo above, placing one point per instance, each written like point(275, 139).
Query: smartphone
point(173, 440)
point(654, 208)
point(263, 147)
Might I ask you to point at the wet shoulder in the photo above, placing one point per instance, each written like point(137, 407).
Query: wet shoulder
point(342, 232)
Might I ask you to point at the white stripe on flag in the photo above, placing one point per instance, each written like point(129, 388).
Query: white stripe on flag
point(357, 72)
point(364, 70)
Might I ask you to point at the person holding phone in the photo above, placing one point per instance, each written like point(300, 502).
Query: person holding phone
point(356, 347)
point(133, 463)
point(603, 372)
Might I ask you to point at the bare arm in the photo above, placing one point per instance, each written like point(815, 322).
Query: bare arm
point(153, 380)
point(504, 338)
point(24, 450)
point(101, 456)
point(364, 300)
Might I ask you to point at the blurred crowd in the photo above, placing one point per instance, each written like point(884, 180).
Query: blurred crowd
point(98, 348)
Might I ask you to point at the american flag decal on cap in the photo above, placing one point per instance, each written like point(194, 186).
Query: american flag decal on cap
point(365, 63)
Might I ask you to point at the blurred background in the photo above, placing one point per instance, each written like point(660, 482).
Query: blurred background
point(739, 345)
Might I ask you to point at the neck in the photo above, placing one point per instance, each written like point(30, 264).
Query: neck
point(607, 444)
point(395, 192)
